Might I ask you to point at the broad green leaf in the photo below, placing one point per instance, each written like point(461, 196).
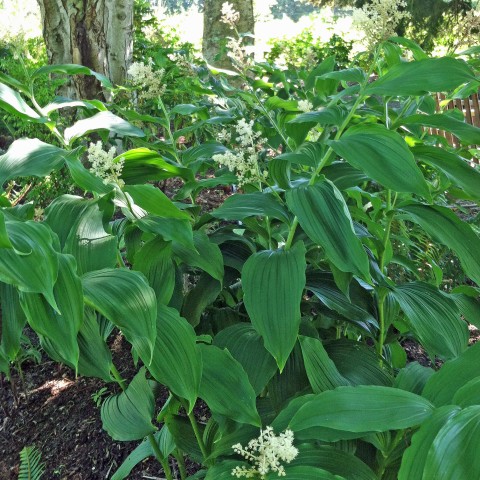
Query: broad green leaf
point(469, 394)
point(142, 165)
point(12, 321)
point(334, 460)
point(413, 378)
point(30, 157)
point(454, 374)
point(414, 458)
point(165, 443)
point(323, 116)
point(363, 409)
point(223, 470)
point(204, 293)
point(154, 260)
point(454, 452)
point(176, 230)
point(324, 216)
point(204, 151)
point(384, 156)
point(128, 415)
point(125, 298)
point(434, 318)
point(444, 226)
point(321, 371)
point(80, 225)
point(13, 103)
point(71, 69)
point(246, 346)
point(356, 75)
point(32, 265)
point(176, 361)
point(225, 386)
point(458, 171)
point(273, 284)
point(469, 307)
point(154, 201)
point(206, 255)
point(418, 53)
point(301, 472)
point(60, 328)
point(222, 443)
point(467, 133)
point(83, 177)
point(238, 207)
point(95, 359)
point(322, 285)
point(421, 77)
point(182, 433)
point(61, 102)
point(343, 175)
point(358, 363)
point(101, 121)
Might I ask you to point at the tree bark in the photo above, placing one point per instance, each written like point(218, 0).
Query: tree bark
point(216, 33)
point(97, 34)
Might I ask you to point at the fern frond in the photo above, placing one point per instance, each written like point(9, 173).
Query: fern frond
point(31, 467)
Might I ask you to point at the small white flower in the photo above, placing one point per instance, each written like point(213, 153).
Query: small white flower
point(103, 164)
point(265, 453)
point(147, 80)
point(229, 15)
point(305, 106)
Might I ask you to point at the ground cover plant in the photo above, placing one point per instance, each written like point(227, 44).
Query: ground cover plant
point(284, 309)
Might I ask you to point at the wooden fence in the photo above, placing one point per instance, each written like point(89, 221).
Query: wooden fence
point(471, 109)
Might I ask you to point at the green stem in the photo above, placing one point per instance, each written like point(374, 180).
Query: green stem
point(169, 131)
point(381, 321)
point(158, 455)
point(198, 435)
point(181, 464)
point(118, 378)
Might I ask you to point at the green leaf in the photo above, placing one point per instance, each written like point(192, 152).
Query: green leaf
point(246, 346)
point(465, 132)
point(128, 416)
point(13, 103)
point(324, 216)
point(273, 283)
point(343, 175)
point(206, 255)
point(61, 327)
point(101, 121)
point(240, 206)
point(415, 457)
point(321, 371)
point(307, 473)
point(176, 361)
point(383, 155)
point(32, 265)
point(363, 409)
point(454, 374)
point(12, 321)
point(80, 225)
point(31, 467)
point(142, 165)
point(469, 394)
point(421, 77)
point(434, 318)
point(445, 227)
point(165, 443)
point(95, 359)
point(182, 433)
point(454, 452)
point(223, 470)
point(225, 386)
point(458, 171)
point(154, 260)
point(30, 157)
point(154, 201)
point(71, 69)
point(125, 298)
point(334, 460)
point(413, 378)
point(175, 230)
point(323, 116)
point(356, 75)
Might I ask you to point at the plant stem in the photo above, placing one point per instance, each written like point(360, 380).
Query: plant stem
point(118, 378)
point(159, 457)
point(381, 320)
point(181, 464)
point(169, 131)
point(198, 435)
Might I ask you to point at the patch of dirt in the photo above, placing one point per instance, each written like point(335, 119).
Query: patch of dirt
point(56, 413)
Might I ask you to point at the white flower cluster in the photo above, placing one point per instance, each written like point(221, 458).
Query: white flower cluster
point(265, 453)
point(467, 30)
point(229, 15)
point(305, 106)
point(149, 81)
point(240, 54)
point(103, 164)
point(379, 19)
point(245, 161)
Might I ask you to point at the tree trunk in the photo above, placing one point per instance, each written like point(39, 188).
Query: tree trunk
point(216, 33)
point(97, 34)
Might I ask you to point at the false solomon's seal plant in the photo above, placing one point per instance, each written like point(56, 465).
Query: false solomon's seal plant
point(302, 285)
